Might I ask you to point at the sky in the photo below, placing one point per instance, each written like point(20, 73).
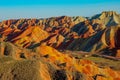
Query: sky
point(15, 9)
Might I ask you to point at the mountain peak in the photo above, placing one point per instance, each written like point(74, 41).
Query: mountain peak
point(109, 13)
point(108, 18)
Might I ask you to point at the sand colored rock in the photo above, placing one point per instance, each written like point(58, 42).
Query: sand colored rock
point(109, 18)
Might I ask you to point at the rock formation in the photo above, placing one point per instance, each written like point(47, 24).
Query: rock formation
point(36, 49)
point(46, 63)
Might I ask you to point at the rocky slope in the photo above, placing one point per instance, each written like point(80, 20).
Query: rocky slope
point(110, 18)
point(46, 63)
point(33, 46)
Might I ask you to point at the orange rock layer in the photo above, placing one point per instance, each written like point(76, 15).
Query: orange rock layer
point(61, 61)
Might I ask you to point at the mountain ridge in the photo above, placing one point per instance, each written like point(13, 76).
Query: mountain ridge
point(62, 32)
point(61, 48)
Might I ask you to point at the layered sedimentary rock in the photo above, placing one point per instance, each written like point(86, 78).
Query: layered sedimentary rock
point(99, 33)
point(108, 18)
point(46, 63)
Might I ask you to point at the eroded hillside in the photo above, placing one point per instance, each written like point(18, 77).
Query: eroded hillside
point(61, 48)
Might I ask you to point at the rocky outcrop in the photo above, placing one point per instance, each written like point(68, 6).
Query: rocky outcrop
point(105, 41)
point(78, 19)
point(109, 18)
point(84, 29)
point(32, 34)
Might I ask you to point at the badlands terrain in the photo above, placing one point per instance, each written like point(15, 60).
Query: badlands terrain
point(61, 48)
